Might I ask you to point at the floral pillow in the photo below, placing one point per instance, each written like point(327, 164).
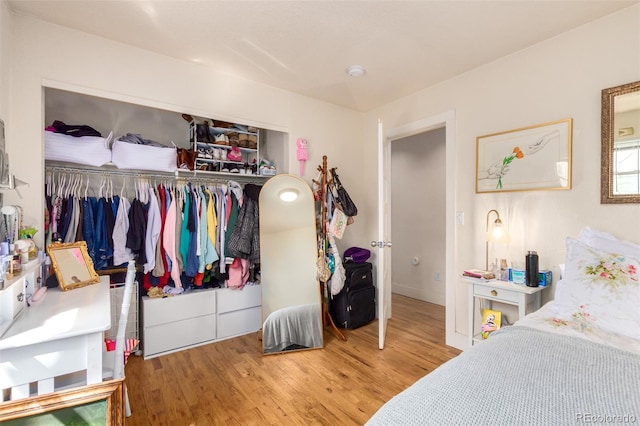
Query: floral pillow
point(600, 289)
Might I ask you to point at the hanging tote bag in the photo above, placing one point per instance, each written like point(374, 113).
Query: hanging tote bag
point(342, 197)
point(324, 273)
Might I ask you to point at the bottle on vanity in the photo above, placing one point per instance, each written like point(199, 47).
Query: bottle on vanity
point(531, 266)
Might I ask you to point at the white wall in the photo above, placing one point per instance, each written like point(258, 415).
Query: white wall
point(53, 56)
point(5, 36)
point(556, 79)
point(418, 215)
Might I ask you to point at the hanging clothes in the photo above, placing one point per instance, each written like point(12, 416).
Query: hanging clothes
point(121, 253)
point(241, 240)
point(232, 218)
point(137, 231)
point(191, 268)
point(192, 235)
point(152, 232)
point(168, 240)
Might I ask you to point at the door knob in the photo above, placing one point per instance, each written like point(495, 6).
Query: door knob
point(381, 244)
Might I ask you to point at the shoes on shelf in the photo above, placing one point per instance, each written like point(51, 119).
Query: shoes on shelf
point(235, 154)
point(221, 139)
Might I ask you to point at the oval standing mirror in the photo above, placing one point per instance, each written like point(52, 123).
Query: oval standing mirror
point(620, 171)
point(291, 306)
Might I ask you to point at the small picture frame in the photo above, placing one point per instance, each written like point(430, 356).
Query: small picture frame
point(530, 158)
point(72, 265)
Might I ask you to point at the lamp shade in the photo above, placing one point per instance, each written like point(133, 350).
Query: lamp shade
point(495, 232)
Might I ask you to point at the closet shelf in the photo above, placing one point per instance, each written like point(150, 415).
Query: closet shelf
point(180, 174)
point(227, 147)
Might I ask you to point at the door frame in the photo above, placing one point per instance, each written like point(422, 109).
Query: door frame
point(448, 121)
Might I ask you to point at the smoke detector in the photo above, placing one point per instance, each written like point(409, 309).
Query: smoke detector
point(356, 71)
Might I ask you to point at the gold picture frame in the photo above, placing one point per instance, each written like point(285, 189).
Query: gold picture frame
point(102, 403)
point(72, 265)
point(529, 158)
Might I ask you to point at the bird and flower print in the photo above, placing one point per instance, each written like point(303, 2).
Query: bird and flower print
point(534, 157)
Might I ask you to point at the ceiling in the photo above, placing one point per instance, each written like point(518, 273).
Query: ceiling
point(306, 46)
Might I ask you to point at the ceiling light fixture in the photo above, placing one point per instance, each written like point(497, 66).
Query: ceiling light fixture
point(356, 71)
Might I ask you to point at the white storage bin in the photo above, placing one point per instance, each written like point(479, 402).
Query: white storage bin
point(126, 155)
point(88, 150)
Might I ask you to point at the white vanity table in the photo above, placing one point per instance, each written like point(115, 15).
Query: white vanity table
point(14, 291)
point(56, 336)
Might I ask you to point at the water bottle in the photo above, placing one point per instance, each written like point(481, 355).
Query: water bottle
point(532, 269)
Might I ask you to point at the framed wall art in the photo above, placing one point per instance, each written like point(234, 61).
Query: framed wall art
point(530, 158)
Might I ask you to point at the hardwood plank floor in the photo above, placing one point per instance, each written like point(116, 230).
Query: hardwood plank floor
point(231, 382)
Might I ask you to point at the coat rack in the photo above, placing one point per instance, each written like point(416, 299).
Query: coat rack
point(323, 184)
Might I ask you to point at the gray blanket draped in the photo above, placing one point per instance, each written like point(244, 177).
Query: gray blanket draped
point(295, 325)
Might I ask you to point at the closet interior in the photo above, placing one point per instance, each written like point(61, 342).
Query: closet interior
point(216, 293)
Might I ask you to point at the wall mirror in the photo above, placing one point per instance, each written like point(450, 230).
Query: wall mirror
point(72, 265)
point(620, 156)
point(291, 305)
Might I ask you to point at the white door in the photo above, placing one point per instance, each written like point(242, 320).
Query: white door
point(383, 244)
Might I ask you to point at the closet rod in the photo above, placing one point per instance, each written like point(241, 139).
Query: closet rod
point(177, 175)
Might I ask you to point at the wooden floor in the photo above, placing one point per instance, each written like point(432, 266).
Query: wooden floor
point(231, 382)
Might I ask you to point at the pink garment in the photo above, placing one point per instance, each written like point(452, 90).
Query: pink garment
point(169, 241)
point(238, 273)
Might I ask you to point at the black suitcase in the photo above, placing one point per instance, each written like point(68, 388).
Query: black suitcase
point(355, 305)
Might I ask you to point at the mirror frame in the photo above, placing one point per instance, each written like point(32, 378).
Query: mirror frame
point(89, 275)
point(606, 156)
point(292, 223)
point(110, 392)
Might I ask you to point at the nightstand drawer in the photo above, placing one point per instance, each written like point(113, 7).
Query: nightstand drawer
point(496, 293)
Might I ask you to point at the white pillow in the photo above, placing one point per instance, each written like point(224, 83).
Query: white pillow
point(607, 242)
point(600, 289)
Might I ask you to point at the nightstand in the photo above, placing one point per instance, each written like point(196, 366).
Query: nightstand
point(503, 292)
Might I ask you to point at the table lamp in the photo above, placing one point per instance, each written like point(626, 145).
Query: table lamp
point(495, 233)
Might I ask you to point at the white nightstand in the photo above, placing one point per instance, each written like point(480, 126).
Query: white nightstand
point(503, 292)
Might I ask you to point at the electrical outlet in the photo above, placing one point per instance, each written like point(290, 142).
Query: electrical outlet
point(437, 276)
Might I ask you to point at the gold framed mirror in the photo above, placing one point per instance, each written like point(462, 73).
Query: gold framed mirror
point(620, 152)
point(72, 265)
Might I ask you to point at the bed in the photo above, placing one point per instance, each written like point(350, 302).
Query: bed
point(575, 360)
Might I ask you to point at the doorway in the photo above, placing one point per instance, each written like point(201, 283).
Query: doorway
point(446, 121)
point(418, 176)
